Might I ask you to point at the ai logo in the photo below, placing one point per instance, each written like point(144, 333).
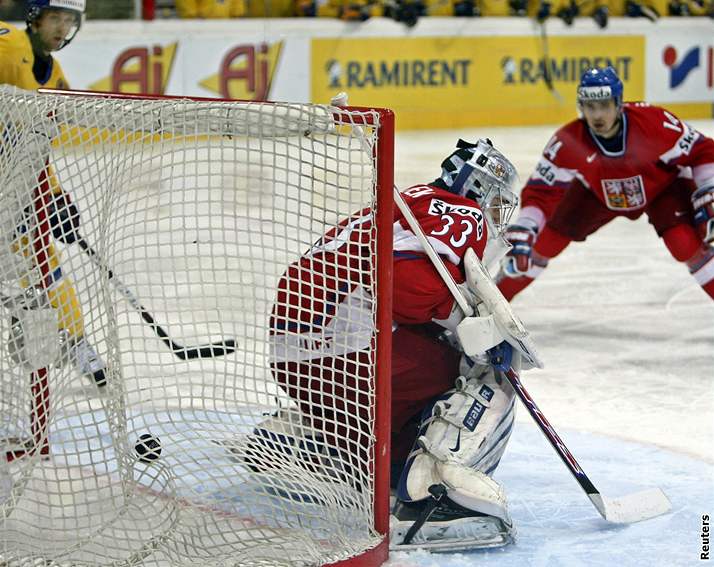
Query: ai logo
point(144, 69)
point(246, 71)
point(678, 71)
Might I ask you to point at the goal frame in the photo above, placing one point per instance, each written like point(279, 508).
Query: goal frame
point(384, 159)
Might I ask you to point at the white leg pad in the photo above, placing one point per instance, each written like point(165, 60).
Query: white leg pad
point(470, 429)
point(473, 515)
point(474, 490)
point(462, 441)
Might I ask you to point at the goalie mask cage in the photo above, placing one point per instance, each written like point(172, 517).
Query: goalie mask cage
point(192, 210)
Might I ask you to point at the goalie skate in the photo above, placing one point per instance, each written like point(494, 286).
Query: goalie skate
point(447, 529)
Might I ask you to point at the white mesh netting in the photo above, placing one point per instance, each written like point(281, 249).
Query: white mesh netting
point(190, 212)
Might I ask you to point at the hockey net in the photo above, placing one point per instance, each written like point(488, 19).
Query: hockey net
point(191, 211)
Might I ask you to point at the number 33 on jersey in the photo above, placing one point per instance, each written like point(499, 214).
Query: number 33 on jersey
point(451, 223)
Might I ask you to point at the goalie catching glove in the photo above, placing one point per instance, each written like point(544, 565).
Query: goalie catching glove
point(63, 217)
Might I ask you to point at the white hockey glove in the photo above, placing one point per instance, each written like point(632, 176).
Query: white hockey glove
point(703, 205)
point(494, 320)
point(518, 260)
point(509, 325)
point(455, 316)
point(473, 335)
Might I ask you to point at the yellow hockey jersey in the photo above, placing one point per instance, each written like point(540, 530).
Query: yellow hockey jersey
point(17, 58)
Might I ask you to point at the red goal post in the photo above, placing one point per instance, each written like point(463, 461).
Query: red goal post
point(192, 208)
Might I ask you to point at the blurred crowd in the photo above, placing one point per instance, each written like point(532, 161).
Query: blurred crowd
point(405, 11)
point(409, 11)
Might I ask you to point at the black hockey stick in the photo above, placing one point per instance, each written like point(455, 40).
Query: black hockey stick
point(631, 508)
point(547, 68)
point(183, 352)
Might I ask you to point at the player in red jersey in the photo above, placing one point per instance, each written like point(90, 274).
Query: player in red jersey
point(619, 159)
point(321, 352)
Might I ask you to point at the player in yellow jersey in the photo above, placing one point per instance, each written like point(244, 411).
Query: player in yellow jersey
point(26, 62)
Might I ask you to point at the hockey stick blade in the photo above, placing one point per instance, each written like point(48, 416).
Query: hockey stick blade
point(632, 508)
point(635, 507)
point(220, 348)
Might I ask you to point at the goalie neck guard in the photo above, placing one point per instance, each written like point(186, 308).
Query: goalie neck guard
point(482, 173)
point(35, 8)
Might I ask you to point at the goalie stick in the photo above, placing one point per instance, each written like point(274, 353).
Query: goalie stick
point(220, 348)
point(631, 508)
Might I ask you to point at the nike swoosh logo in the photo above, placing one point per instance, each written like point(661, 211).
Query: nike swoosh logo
point(25, 60)
point(591, 157)
point(680, 213)
point(456, 448)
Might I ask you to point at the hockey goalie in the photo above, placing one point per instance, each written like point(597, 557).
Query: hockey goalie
point(452, 413)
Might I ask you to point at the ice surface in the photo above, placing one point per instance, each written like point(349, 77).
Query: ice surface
point(627, 338)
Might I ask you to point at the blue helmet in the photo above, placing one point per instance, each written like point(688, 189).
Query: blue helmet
point(600, 84)
point(76, 7)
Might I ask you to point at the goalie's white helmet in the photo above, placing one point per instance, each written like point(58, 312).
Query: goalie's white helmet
point(482, 173)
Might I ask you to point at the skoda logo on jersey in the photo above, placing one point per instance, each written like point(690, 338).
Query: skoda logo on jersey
point(678, 72)
point(439, 207)
point(546, 173)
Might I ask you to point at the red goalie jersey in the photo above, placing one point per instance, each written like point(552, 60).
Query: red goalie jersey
point(323, 308)
point(658, 148)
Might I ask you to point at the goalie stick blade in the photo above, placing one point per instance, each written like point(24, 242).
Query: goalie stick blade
point(632, 508)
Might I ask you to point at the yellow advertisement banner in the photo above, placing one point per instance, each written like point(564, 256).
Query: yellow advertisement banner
point(471, 81)
point(246, 72)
